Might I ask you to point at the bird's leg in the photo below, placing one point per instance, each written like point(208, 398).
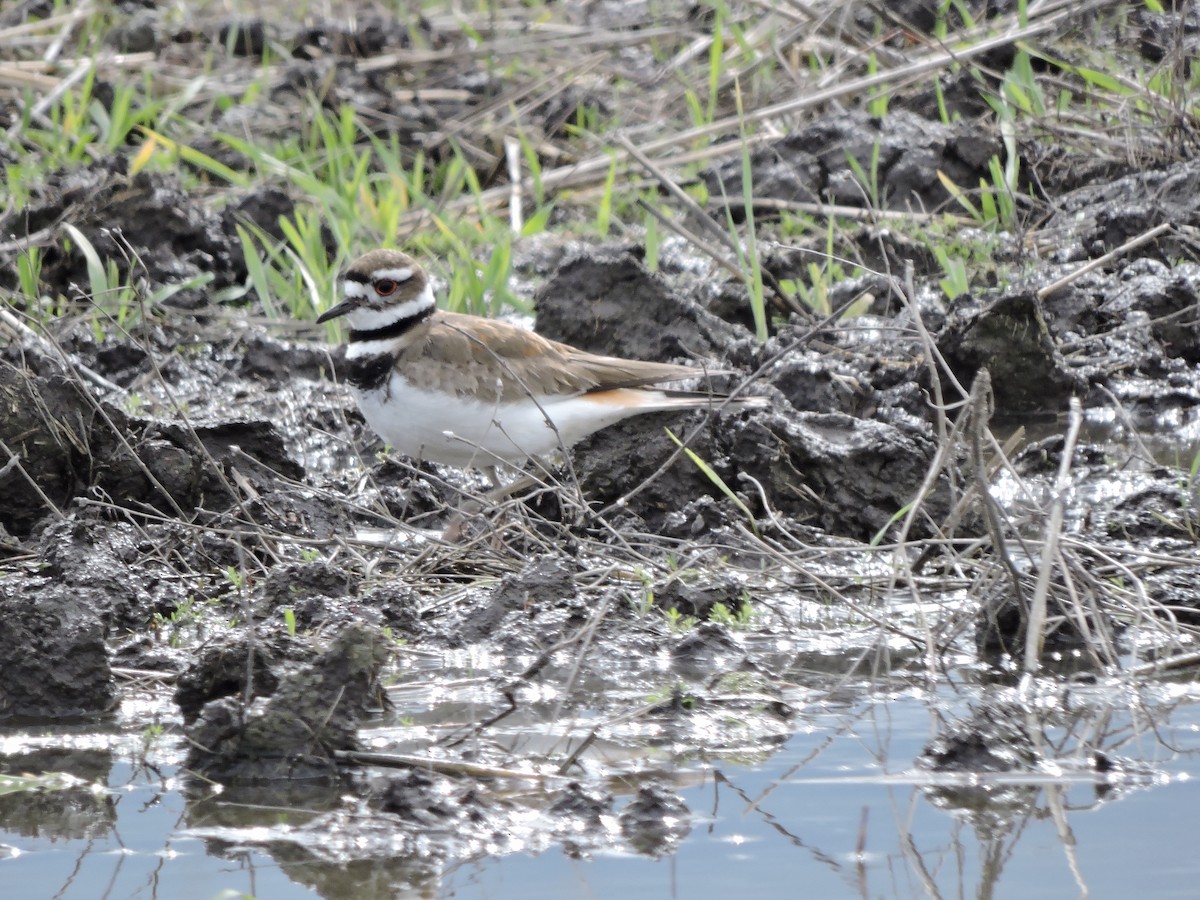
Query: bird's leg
point(453, 532)
point(503, 491)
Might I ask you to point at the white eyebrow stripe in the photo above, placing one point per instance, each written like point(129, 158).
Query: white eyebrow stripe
point(355, 289)
point(392, 274)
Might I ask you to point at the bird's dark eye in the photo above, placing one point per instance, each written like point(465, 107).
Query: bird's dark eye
point(385, 287)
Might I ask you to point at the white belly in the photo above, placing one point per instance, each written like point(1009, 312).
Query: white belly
point(462, 432)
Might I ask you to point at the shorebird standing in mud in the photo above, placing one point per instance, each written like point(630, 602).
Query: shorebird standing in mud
point(474, 392)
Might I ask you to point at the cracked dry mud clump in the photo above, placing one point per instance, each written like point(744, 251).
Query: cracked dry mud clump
point(294, 729)
point(856, 471)
point(69, 444)
point(148, 218)
point(53, 654)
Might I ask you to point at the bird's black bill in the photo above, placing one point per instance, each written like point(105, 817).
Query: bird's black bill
point(334, 311)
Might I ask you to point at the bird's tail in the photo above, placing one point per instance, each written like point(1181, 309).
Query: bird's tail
point(652, 398)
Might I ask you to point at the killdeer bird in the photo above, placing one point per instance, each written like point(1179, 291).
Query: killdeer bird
point(474, 392)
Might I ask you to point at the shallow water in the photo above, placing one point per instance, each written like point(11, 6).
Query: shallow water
point(838, 811)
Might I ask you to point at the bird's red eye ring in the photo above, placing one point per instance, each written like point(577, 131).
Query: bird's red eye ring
point(385, 287)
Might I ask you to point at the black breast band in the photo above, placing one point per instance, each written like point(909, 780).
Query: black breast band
point(370, 372)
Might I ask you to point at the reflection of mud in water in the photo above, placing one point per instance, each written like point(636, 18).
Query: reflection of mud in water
point(74, 812)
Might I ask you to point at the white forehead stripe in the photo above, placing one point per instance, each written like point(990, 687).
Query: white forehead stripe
point(354, 289)
point(392, 274)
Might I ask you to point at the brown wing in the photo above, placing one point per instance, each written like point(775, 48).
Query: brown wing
point(494, 360)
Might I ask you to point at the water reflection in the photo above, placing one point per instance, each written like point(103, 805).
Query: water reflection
point(65, 810)
point(873, 787)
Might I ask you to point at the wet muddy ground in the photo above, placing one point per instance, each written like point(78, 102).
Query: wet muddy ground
point(236, 649)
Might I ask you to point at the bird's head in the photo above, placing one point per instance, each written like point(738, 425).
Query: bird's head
point(381, 288)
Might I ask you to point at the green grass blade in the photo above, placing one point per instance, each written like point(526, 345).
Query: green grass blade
point(716, 479)
point(97, 274)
